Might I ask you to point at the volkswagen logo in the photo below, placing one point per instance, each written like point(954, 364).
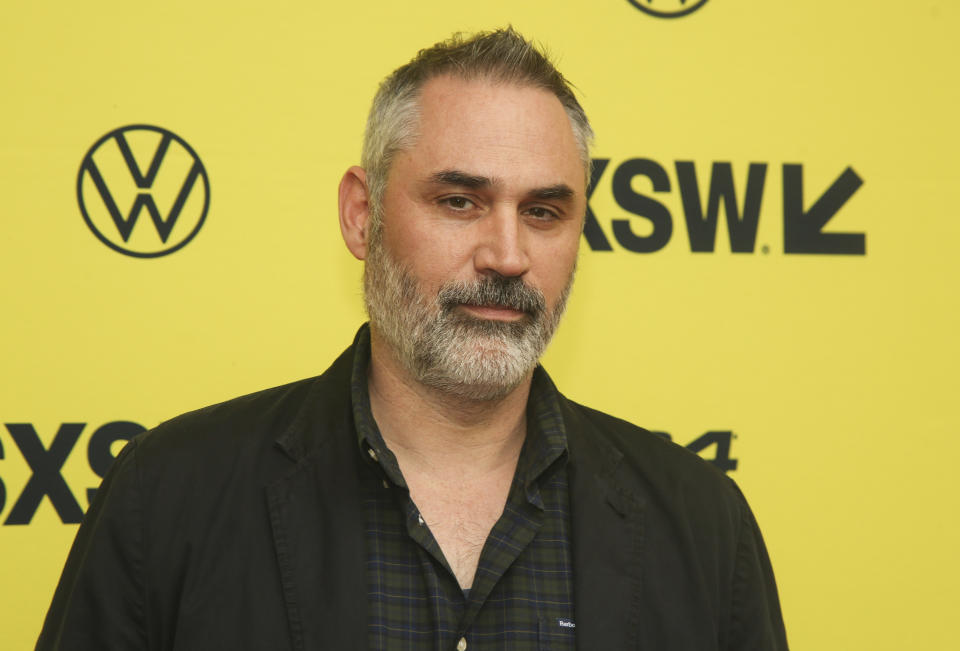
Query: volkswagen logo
point(141, 169)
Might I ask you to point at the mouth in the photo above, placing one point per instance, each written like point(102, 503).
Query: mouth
point(493, 312)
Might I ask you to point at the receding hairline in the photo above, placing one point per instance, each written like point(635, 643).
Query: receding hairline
point(515, 81)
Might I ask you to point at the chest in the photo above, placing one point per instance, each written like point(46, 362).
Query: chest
point(460, 514)
point(523, 571)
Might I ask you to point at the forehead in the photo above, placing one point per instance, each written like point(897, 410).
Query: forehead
point(495, 128)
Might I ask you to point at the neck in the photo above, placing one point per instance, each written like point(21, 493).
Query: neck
point(438, 432)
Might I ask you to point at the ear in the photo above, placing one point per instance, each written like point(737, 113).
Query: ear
point(355, 211)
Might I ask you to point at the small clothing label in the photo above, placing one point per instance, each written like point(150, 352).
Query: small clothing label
point(566, 623)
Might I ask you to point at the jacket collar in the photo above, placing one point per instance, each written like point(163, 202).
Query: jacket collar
point(324, 414)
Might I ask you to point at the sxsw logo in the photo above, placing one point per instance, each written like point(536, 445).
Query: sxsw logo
point(705, 194)
point(668, 8)
point(46, 465)
point(141, 169)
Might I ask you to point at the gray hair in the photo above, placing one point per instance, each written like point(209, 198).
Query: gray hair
point(502, 55)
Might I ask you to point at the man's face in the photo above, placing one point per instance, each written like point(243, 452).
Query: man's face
point(482, 217)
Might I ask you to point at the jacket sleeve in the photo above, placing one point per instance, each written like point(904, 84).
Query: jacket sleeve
point(757, 623)
point(99, 602)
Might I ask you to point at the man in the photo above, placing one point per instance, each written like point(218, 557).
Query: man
point(432, 489)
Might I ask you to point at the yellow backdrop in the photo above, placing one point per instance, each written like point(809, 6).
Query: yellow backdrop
point(827, 362)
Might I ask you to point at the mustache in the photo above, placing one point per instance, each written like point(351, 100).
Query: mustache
point(493, 291)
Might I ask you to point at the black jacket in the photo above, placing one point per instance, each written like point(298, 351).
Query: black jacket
point(239, 526)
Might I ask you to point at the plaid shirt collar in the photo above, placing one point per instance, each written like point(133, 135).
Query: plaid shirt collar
point(545, 445)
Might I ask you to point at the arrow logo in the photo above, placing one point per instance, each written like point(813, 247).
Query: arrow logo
point(803, 230)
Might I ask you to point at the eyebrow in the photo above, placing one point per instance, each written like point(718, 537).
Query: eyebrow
point(456, 177)
point(558, 192)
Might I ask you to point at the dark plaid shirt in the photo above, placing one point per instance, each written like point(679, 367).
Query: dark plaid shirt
point(522, 594)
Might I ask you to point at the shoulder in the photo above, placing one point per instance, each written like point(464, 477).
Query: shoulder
point(640, 447)
point(265, 429)
point(252, 420)
point(666, 476)
point(201, 476)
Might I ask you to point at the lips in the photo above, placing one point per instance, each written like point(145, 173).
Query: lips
point(496, 306)
point(495, 311)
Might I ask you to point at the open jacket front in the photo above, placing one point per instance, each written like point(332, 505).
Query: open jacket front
point(239, 526)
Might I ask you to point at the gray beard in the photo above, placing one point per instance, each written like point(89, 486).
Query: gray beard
point(448, 350)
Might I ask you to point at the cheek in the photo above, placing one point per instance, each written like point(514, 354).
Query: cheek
point(433, 258)
point(560, 266)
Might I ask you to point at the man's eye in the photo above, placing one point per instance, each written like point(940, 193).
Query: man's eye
point(539, 212)
point(457, 203)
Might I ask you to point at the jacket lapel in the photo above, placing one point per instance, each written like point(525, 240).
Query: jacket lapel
point(607, 527)
point(317, 521)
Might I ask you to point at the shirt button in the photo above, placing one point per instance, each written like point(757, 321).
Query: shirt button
point(462, 644)
point(373, 454)
point(420, 521)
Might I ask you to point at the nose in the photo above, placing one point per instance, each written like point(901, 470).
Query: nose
point(501, 248)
